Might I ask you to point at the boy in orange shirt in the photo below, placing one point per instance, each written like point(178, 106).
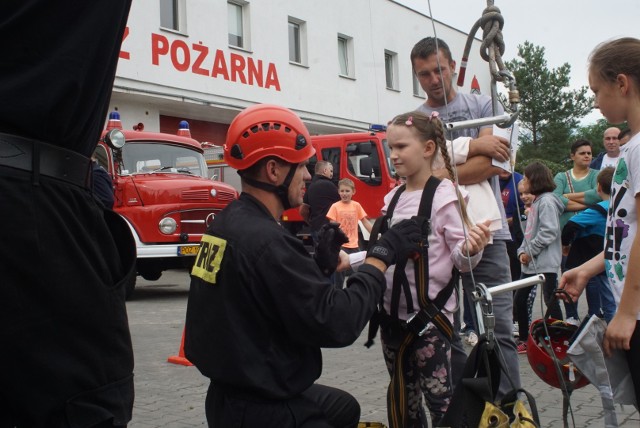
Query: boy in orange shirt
point(348, 212)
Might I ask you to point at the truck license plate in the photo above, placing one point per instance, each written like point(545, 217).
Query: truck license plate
point(188, 250)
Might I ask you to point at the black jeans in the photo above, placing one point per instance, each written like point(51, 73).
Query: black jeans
point(633, 354)
point(67, 357)
point(522, 299)
point(319, 406)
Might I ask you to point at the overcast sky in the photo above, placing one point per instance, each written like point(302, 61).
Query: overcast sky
point(567, 29)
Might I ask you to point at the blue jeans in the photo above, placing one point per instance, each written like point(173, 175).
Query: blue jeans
point(600, 300)
point(469, 322)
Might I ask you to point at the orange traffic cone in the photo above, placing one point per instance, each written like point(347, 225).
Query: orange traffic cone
point(180, 358)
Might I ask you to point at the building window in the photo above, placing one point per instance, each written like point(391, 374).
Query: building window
point(345, 55)
point(417, 89)
point(238, 24)
point(391, 69)
point(172, 15)
point(297, 41)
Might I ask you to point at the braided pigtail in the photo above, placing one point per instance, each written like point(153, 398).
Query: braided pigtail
point(441, 143)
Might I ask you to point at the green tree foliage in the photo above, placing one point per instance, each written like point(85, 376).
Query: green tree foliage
point(594, 133)
point(555, 167)
point(549, 110)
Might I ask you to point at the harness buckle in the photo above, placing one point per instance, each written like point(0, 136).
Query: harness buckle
point(424, 223)
point(419, 321)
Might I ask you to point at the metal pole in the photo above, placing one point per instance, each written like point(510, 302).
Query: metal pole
point(515, 285)
point(483, 299)
point(475, 123)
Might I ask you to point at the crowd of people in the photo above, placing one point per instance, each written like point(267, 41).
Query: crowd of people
point(263, 299)
point(566, 232)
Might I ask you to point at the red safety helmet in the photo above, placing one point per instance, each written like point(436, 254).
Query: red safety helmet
point(266, 130)
point(539, 347)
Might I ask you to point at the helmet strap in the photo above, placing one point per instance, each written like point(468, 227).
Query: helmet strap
point(281, 191)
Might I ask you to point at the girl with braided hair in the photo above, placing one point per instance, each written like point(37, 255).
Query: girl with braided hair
point(415, 140)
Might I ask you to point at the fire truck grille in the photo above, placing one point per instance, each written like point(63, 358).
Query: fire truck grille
point(204, 195)
point(195, 221)
point(195, 195)
point(224, 196)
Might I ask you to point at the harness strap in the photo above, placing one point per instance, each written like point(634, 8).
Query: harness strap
point(281, 191)
point(397, 399)
point(400, 281)
point(431, 313)
point(380, 226)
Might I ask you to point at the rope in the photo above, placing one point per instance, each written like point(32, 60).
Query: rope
point(491, 50)
point(492, 47)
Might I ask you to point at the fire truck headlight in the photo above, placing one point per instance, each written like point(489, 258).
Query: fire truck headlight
point(167, 225)
point(115, 139)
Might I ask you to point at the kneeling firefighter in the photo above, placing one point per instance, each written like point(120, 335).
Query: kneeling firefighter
point(260, 307)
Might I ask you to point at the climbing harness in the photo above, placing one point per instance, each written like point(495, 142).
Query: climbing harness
point(403, 333)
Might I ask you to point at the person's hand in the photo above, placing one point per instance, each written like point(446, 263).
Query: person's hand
point(573, 283)
point(398, 242)
point(618, 333)
point(565, 250)
point(494, 147)
point(327, 248)
point(524, 258)
point(477, 238)
point(344, 262)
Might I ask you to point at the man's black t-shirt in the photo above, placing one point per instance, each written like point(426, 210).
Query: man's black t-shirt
point(321, 194)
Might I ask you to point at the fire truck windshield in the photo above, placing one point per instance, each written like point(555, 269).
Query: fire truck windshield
point(387, 157)
point(158, 157)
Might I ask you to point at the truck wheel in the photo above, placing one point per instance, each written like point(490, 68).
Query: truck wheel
point(152, 275)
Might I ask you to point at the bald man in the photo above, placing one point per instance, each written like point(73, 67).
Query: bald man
point(612, 150)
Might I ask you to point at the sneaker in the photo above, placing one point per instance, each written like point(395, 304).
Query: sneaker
point(521, 347)
point(463, 329)
point(572, 321)
point(472, 338)
point(516, 329)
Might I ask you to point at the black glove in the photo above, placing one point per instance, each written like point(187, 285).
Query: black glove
point(397, 243)
point(327, 248)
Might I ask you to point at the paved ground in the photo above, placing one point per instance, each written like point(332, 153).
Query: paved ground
point(169, 395)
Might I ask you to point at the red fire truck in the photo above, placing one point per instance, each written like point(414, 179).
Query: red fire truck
point(162, 190)
point(363, 157)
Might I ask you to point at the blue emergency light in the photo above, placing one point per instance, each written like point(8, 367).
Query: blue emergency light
point(377, 128)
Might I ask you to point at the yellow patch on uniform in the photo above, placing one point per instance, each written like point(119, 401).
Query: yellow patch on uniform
point(209, 258)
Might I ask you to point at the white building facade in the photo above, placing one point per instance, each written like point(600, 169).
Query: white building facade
point(340, 65)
